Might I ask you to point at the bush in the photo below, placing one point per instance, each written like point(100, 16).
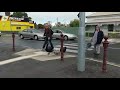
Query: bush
point(110, 34)
point(89, 34)
point(114, 35)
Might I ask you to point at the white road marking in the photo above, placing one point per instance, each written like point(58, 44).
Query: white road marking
point(109, 63)
point(42, 57)
point(51, 57)
point(18, 59)
point(73, 44)
point(58, 46)
point(71, 48)
point(113, 48)
point(26, 52)
point(68, 50)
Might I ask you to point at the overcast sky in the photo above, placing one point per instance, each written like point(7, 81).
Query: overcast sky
point(43, 17)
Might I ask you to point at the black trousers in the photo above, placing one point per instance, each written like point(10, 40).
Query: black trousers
point(46, 42)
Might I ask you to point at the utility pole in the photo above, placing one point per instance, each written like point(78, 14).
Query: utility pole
point(81, 42)
point(57, 20)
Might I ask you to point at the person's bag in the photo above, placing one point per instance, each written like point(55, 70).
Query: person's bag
point(49, 47)
point(52, 32)
point(64, 49)
point(89, 45)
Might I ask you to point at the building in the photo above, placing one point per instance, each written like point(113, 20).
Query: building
point(14, 24)
point(109, 21)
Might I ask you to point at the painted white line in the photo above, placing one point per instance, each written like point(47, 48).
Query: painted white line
point(18, 59)
point(89, 49)
point(58, 46)
point(73, 51)
point(68, 50)
point(51, 57)
point(73, 44)
point(109, 63)
point(113, 48)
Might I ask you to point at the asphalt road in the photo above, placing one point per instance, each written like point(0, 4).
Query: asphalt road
point(31, 68)
point(113, 50)
point(36, 44)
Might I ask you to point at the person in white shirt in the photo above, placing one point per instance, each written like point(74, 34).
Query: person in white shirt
point(97, 39)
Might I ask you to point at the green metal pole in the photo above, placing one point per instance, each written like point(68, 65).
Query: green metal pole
point(81, 43)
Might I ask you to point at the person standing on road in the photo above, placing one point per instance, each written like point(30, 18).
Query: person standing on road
point(97, 39)
point(48, 36)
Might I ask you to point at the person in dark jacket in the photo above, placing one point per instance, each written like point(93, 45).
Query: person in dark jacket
point(97, 39)
point(48, 36)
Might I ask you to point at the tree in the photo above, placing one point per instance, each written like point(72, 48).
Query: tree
point(7, 13)
point(30, 18)
point(20, 15)
point(40, 26)
point(74, 23)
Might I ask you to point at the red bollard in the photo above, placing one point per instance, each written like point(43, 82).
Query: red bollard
point(105, 46)
point(62, 53)
point(13, 37)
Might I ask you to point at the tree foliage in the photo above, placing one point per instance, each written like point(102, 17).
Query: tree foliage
point(40, 26)
point(74, 23)
point(21, 15)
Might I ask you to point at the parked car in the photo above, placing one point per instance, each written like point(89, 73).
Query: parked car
point(67, 36)
point(32, 34)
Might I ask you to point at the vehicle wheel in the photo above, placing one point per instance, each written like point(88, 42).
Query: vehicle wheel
point(65, 38)
point(36, 37)
point(31, 38)
point(73, 39)
point(21, 36)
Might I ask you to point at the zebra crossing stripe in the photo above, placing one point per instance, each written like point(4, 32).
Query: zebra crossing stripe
point(71, 48)
point(58, 46)
point(68, 50)
point(73, 44)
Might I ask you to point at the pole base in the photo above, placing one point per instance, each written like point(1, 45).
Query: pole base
point(104, 71)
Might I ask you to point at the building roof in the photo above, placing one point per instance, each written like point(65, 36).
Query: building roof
point(104, 20)
point(103, 14)
point(104, 17)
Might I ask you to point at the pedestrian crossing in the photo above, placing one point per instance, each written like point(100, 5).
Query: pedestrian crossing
point(71, 48)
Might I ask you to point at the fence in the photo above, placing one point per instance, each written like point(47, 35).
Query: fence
point(74, 30)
